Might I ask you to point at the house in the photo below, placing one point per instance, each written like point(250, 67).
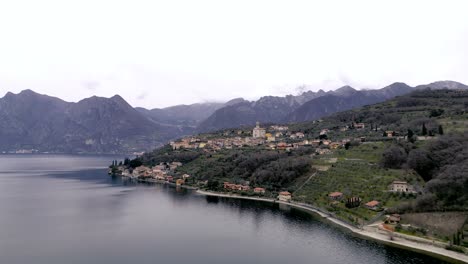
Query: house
point(179, 144)
point(228, 185)
point(335, 145)
point(244, 188)
point(390, 133)
point(324, 131)
point(335, 195)
point(140, 171)
point(372, 205)
point(169, 178)
point(393, 219)
point(300, 135)
point(235, 187)
point(400, 186)
point(160, 177)
point(359, 125)
point(271, 138)
point(185, 176)
point(315, 143)
point(176, 163)
point(180, 182)
point(279, 128)
point(259, 190)
point(284, 196)
point(258, 132)
point(322, 151)
point(281, 145)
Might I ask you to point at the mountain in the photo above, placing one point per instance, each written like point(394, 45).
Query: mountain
point(29, 120)
point(307, 106)
point(444, 85)
point(107, 125)
point(181, 115)
point(268, 109)
point(344, 98)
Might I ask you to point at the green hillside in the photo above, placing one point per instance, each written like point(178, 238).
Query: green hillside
point(420, 138)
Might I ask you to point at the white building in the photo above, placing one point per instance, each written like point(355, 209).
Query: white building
point(400, 186)
point(284, 196)
point(258, 132)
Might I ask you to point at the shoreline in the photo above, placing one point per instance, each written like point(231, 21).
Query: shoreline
point(398, 241)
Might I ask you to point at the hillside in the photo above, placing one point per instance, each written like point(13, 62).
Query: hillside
point(358, 153)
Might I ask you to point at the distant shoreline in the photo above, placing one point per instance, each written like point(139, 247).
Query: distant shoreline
point(399, 242)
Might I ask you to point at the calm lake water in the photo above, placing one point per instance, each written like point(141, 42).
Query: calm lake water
point(66, 209)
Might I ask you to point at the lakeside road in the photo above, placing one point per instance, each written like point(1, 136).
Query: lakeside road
point(398, 241)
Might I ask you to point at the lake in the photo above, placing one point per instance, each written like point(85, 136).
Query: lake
point(66, 209)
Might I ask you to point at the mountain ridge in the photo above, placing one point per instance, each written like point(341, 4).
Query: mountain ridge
point(29, 120)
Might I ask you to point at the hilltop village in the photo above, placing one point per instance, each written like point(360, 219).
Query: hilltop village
point(273, 138)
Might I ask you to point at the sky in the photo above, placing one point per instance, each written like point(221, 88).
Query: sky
point(163, 53)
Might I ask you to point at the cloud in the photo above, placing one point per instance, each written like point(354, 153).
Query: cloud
point(142, 95)
point(204, 52)
point(91, 85)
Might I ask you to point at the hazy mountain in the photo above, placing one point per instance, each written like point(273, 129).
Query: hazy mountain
point(110, 125)
point(307, 106)
point(266, 109)
point(344, 98)
point(444, 84)
point(33, 121)
point(182, 115)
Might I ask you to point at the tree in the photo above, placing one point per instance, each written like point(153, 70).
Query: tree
point(441, 130)
point(213, 185)
point(424, 129)
point(347, 145)
point(393, 157)
point(420, 161)
point(135, 163)
point(410, 137)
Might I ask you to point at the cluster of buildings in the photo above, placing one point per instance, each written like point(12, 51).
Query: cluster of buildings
point(235, 187)
point(275, 138)
point(282, 196)
point(239, 187)
point(395, 186)
point(372, 205)
point(159, 172)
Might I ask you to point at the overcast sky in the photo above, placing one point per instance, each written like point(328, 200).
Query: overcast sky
point(161, 53)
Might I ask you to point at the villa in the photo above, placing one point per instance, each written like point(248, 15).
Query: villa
point(372, 205)
point(335, 195)
point(259, 190)
point(400, 186)
point(284, 196)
